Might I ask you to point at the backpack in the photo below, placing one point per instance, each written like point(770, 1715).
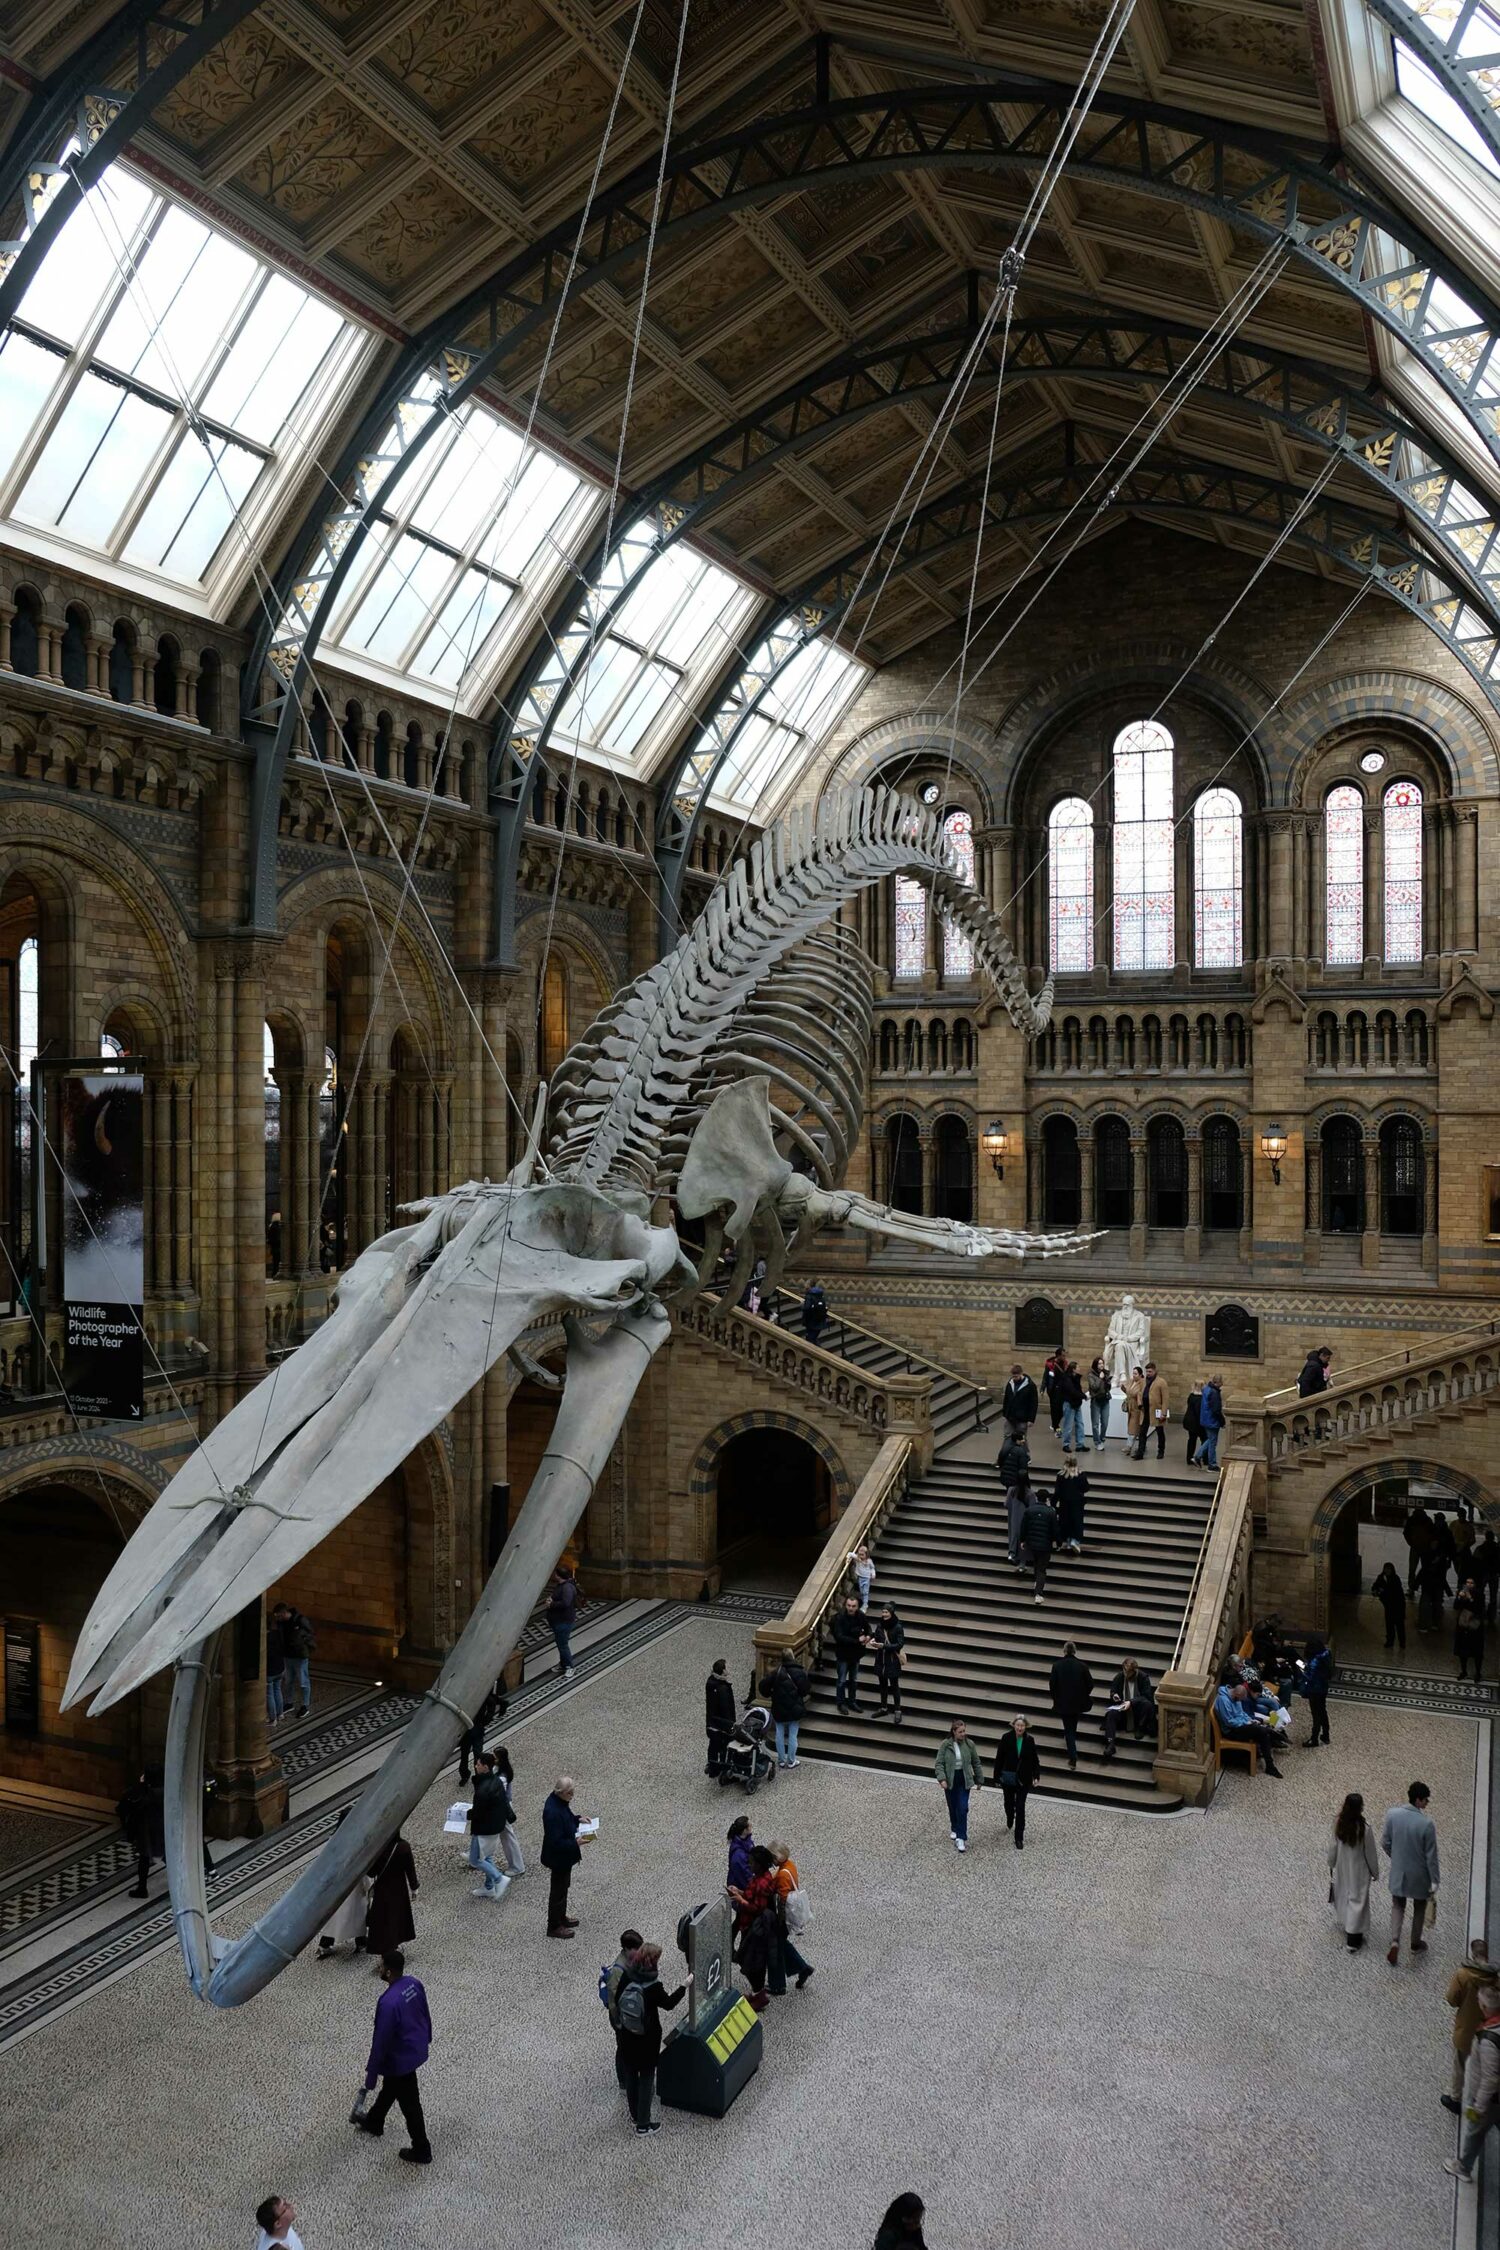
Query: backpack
point(631, 2008)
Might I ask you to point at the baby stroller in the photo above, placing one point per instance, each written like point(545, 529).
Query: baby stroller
point(747, 1759)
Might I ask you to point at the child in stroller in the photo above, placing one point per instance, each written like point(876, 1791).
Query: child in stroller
point(747, 1759)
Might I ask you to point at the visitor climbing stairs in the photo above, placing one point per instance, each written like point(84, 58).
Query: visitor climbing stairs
point(979, 1647)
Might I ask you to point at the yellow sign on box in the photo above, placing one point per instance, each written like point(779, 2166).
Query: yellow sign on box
point(726, 2036)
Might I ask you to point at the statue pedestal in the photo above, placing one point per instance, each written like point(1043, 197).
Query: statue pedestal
point(1119, 1420)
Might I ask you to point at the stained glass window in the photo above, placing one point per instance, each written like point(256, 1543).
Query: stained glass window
point(911, 926)
point(1070, 886)
point(1403, 872)
point(1144, 896)
point(1344, 839)
point(958, 949)
point(1217, 889)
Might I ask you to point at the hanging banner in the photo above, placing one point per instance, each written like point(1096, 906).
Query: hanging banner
point(103, 1242)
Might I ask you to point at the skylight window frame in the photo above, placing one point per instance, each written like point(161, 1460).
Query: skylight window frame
point(281, 463)
point(775, 792)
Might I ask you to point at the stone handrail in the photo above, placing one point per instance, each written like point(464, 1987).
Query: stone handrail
point(1387, 1365)
point(913, 1358)
point(883, 1404)
point(1217, 1616)
point(1461, 1369)
point(800, 1633)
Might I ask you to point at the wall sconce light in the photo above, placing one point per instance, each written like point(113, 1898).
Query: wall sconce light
point(994, 1142)
point(1273, 1148)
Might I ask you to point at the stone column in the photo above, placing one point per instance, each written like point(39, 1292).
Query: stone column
point(250, 1791)
point(98, 664)
point(1182, 894)
point(1317, 935)
point(1466, 885)
point(1374, 947)
point(1370, 1245)
point(182, 1181)
point(1086, 1178)
point(1312, 1250)
point(159, 1232)
point(7, 614)
point(1138, 1206)
point(250, 1165)
point(927, 1142)
point(1300, 945)
point(1438, 829)
point(363, 1184)
point(380, 1097)
point(1192, 1240)
point(1280, 828)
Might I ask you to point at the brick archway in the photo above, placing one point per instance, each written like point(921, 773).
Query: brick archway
point(1456, 1482)
point(703, 1476)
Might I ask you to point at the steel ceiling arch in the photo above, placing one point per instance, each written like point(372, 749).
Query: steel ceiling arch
point(1462, 76)
point(1175, 487)
point(79, 101)
point(1276, 191)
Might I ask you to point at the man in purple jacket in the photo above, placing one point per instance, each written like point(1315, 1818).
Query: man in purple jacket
point(403, 2038)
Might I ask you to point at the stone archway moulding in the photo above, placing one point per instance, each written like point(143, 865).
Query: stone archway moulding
point(703, 1475)
point(104, 1470)
point(968, 742)
point(1457, 1481)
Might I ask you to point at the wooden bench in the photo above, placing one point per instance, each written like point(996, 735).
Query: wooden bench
point(1225, 1744)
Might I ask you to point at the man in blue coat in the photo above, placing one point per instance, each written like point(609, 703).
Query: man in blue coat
point(560, 1855)
point(1210, 1422)
point(402, 2042)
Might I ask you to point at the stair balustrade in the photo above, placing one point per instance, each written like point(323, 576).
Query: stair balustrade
point(888, 1405)
point(1216, 1617)
point(1373, 1402)
point(799, 1634)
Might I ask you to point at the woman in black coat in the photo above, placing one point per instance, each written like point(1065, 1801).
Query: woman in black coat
point(1068, 1496)
point(901, 2228)
point(639, 2049)
point(393, 1879)
point(1391, 1595)
point(890, 1642)
point(1017, 1767)
point(718, 1713)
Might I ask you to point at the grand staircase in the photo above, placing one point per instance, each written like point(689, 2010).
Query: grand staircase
point(978, 1645)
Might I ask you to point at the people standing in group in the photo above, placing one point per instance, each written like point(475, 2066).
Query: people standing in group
point(489, 1816)
point(814, 1312)
point(756, 1902)
point(1071, 1686)
point(1317, 1677)
point(471, 1741)
point(850, 1640)
point(1155, 1412)
point(1038, 1538)
point(510, 1834)
point(562, 1616)
point(1018, 1401)
point(719, 1714)
point(1467, 1982)
point(642, 1998)
point(958, 1772)
point(277, 2221)
point(1315, 1376)
point(610, 1982)
point(1068, 1385)
point(298, 1644)
point(141, 1812)
point(275, 1670)
point(1018, 1765)
point(1353, 1865)
point(901, 2228)
point(1069, 1492)
point(1468, 1629)
point(1391, 1595)
point(1210, 1422)
point(1409, 1841)
point(1050, 1391)
point(741, 1844)
point(1132, 1703)
point(1100, 1388)
point(791, 1921)
point(1192, 1427)
point(890, 1662)
point(862, 1571)
point(789, 1689)
point(401, 2046)
point(1482, 2105)
point(561, 1852)
point(393, 1885)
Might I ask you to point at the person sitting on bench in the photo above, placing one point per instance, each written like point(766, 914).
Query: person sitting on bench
point(1236, 1725)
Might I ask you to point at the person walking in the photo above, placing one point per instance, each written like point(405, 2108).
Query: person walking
point(298, 1643)
point(1018, 1401)
point(393, 1883)
point(814, 1312)
point(1432, 1583)
point(1132, 1703)
point(791, 1921)
point(789, 1688)
point(610, 1981)
point(1211, 1422)
point(1417, 1532)
point(1468, 1980)
point(1100, 1387)
point(642, 1998)
point(1192, 1426)
point(1468, 1629)
point(901, 2228)
point(489, 1816)
point(1038, 1538)
point(562, 1616)
point(1484, 1568)
point(755, 1907)
point(1069, 1492)
point(957, 1769)
point(510, 1834)
point(471, 1741)
point(850, 1640)
point(1314, 1376)
point(275, 1670)
point(1017, 1767)
point(1391, 1595)
point(1409, 1841)
point(1135, 1410)
point(1353, 1865)
point(141, 1813)
point(277, 2221)
point(719, 1714)
point(346, 1925)
point(862, 1570)
point(1317, 1676)
point(1069, 1385)
point(402, 2044)
point(1071, 1686)
point(1482, 2109)
point(741, 1844)
point(561, 1853)
point(1155, 1413)
point(1014, 1463)
point(890, 1662)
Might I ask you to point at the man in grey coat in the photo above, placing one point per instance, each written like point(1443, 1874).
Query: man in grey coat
point(1409, 1837)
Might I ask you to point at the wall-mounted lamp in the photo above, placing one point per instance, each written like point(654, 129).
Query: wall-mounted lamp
point(994, 1142)
point(1273, 1149)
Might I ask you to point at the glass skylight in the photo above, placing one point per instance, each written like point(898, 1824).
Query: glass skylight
point(666, 639)
point(1423, 88)
point(154, 379)
point(799, 709)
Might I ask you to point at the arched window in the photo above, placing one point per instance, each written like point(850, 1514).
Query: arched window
point(958, 947)
point(1112, 1172)
point(28, 1006)
point(903, 1164)
point(1166, 1173)
point(1343, 1177)
point(1062, 1202)
point(1344, 839)
point(1402, 1176)
point(955, 1170)
point(911, 927)
point(1402, 806)
point(1218, 938)
point(1223, 1209)
point(1070, 886)
point(1144, 902)
point(554, 1015)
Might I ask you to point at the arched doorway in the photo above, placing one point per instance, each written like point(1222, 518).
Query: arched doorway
point(903, 1164)
point(1112, 1172)
point(773, 1506)
point(1343, 1177)
point(1360, 1527)
point(1403, 1179)
point(1062, 1199)
point(955, 1170)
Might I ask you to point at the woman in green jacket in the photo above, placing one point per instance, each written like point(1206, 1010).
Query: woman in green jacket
point(957, 1769)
